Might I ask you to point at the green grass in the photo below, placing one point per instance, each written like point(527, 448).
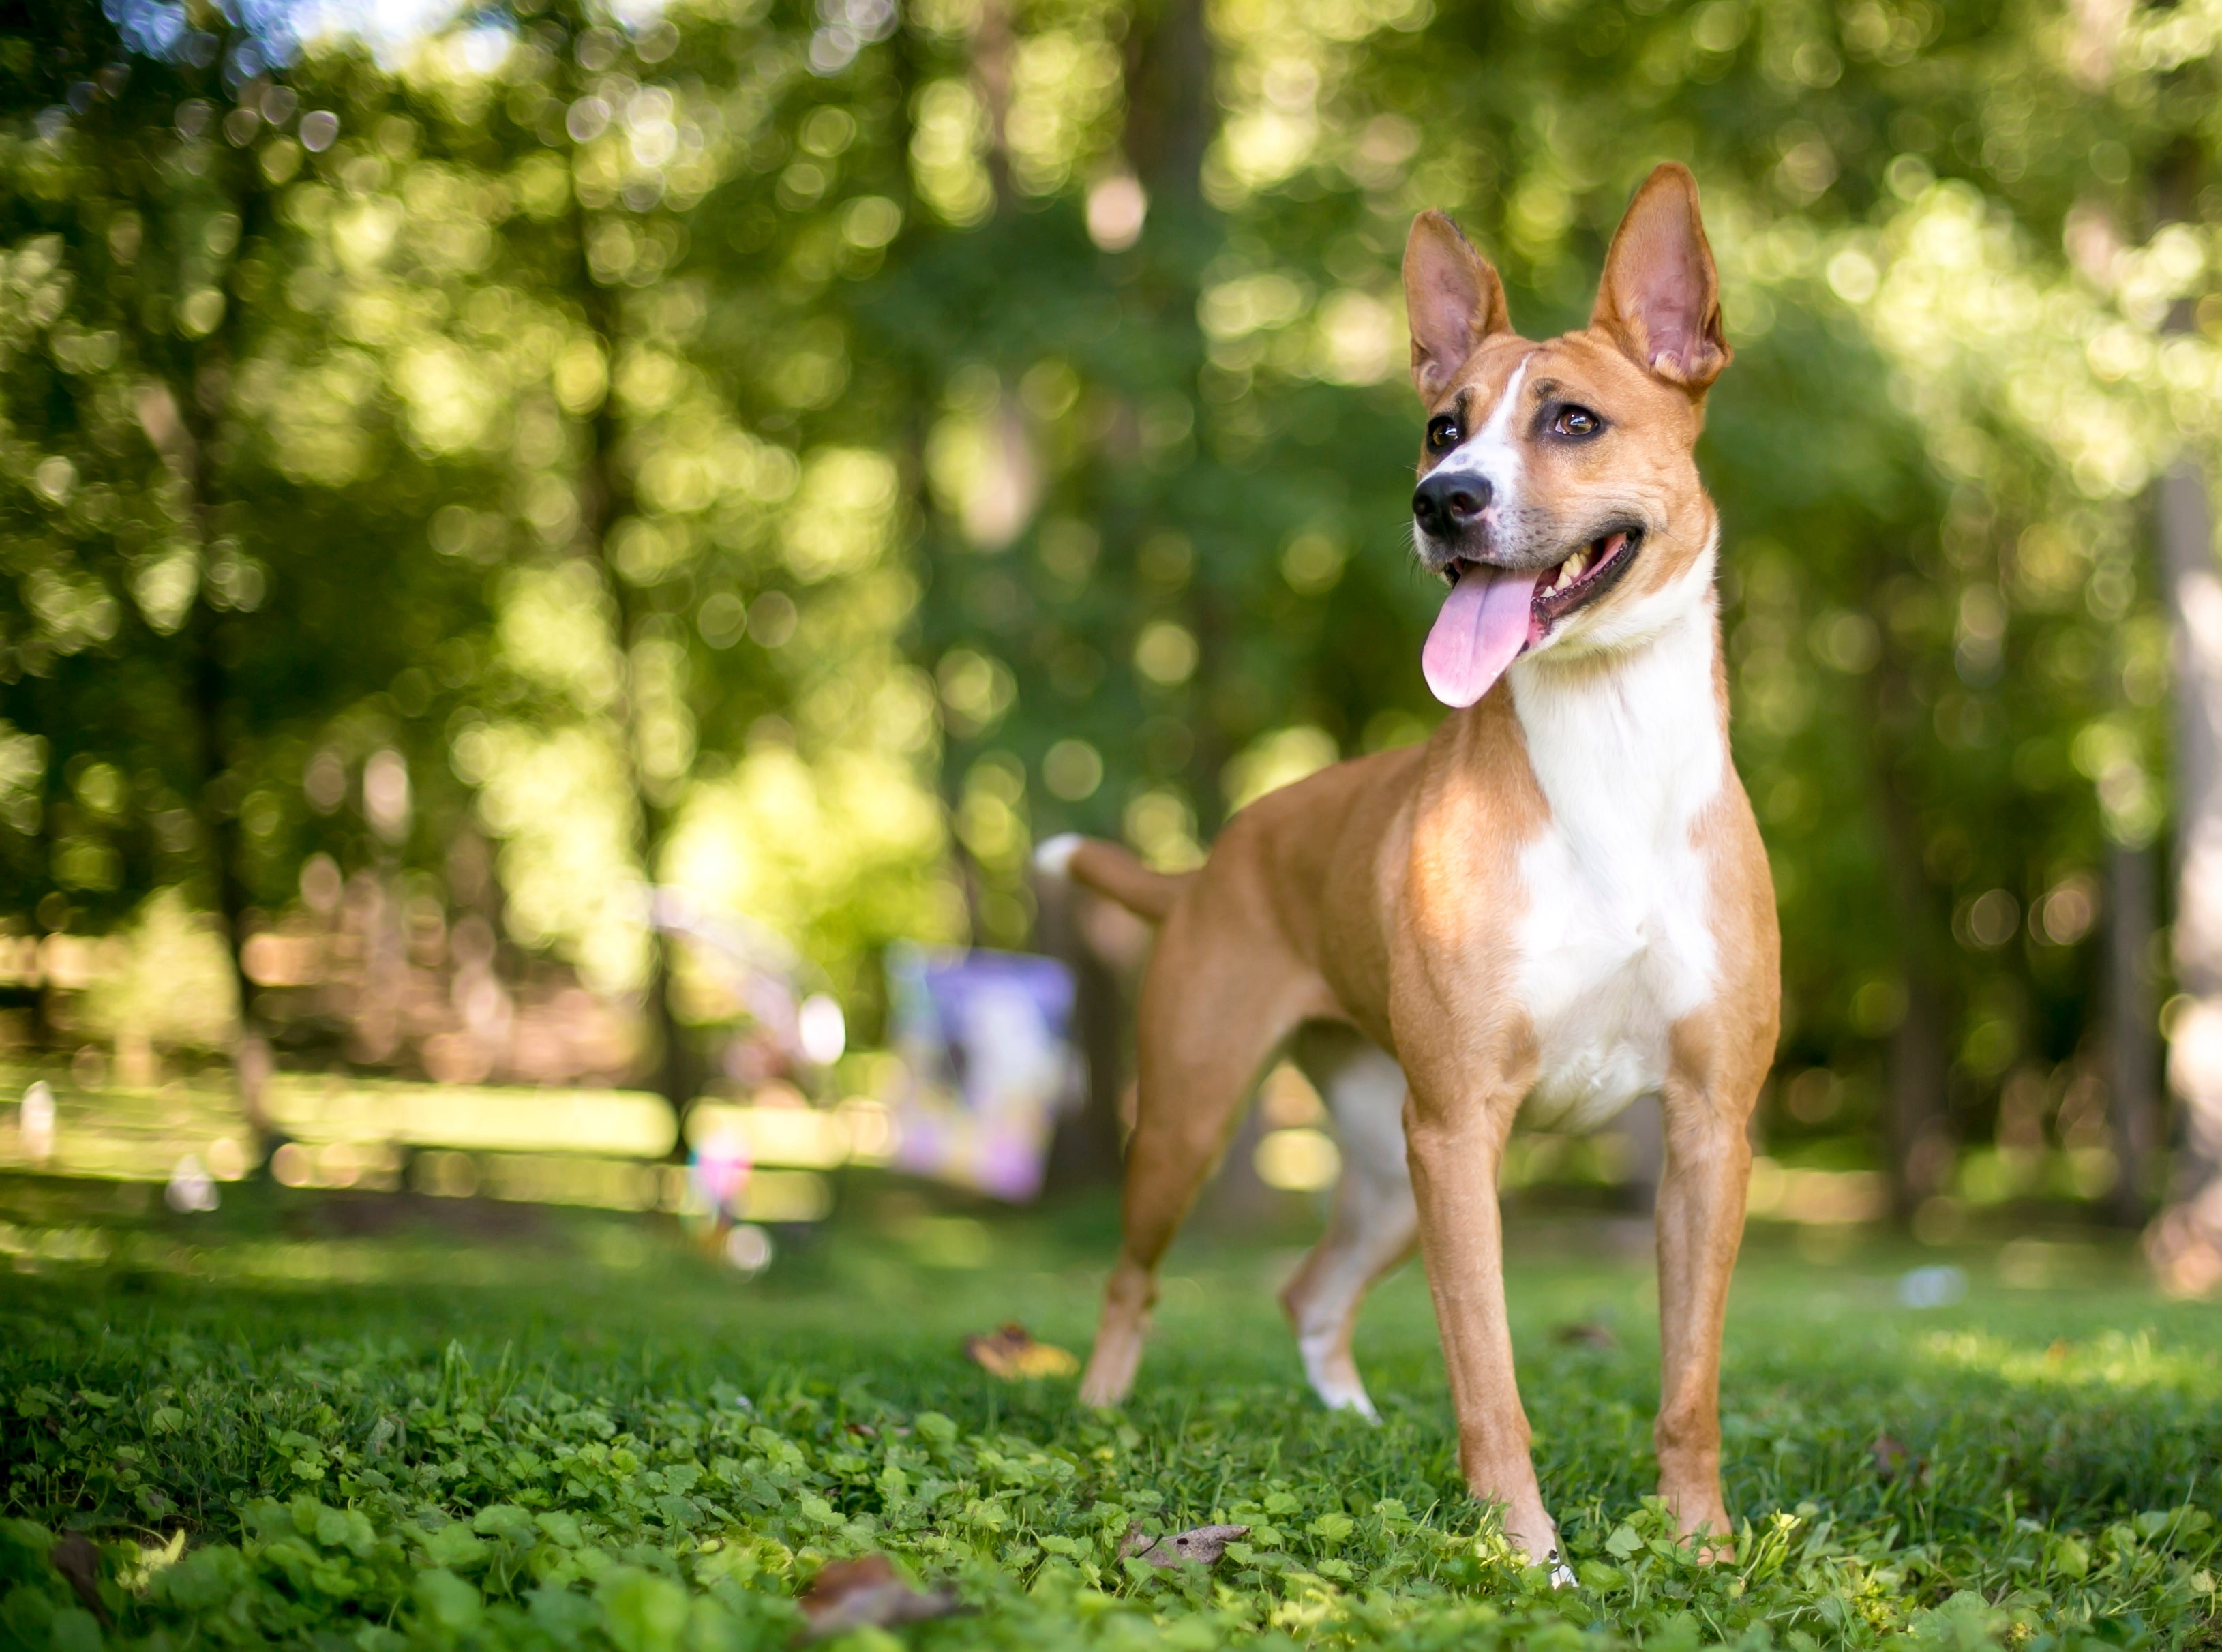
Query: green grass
point(575, 1434)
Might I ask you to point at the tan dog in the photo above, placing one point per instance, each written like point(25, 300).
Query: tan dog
point(1558, 904)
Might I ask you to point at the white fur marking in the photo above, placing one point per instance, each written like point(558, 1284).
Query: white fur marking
point(1616, 943)
point(1493, 452)
point(1053, 856)
point(1318, 1349)
point(1374, 1218)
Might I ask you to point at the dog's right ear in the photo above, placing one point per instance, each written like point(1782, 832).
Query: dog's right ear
point(1453, 298)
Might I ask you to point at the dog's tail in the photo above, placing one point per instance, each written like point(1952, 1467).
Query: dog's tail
point(1112, 872)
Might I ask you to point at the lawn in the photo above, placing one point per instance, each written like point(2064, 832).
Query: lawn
point(350, 1421)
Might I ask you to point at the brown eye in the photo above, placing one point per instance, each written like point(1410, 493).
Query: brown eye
point(1443, 433)
point(1576, 421)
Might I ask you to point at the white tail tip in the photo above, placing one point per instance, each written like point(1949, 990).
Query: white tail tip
point(1053, 856)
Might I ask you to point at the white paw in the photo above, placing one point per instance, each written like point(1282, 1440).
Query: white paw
point(1350, 1400)
point(1338, 1391)
point(1338, 1388)
point(1562, 1575)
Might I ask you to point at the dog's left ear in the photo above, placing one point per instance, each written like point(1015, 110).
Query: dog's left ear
point(1660, 297)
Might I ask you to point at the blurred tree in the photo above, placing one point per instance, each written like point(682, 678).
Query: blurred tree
point(694, 442)
point(1921, 617)
point(171, 531)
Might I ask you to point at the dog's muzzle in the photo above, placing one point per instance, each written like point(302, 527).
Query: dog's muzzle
point(1444, 506)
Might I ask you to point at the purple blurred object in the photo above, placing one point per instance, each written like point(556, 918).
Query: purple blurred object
point(719, 1171)
point(986, 1037)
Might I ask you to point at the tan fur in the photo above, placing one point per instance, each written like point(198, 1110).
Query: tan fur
point(1104, 868)
point(1384, 893)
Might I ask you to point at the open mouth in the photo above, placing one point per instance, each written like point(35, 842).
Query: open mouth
point(1493, 615)
point(1583, 576)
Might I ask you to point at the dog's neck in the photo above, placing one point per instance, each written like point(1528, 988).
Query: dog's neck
point(1629, 735)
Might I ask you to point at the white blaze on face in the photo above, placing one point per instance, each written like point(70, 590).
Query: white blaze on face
point(1487, 619)
point(1492, 452)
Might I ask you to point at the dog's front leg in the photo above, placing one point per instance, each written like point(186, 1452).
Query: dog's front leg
point(1455, 1144)
point(1700, 1224)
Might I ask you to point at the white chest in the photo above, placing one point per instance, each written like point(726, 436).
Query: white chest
point(1616, 944)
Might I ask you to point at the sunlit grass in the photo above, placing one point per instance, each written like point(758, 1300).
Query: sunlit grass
point(2033, 1461)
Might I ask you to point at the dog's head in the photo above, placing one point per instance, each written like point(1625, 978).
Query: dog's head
point(1559, 492)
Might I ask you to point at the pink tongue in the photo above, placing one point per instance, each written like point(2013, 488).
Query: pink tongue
point(1481, 630)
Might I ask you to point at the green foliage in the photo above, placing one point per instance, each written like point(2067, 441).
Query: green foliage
point(563, 1458)
point(745, 452)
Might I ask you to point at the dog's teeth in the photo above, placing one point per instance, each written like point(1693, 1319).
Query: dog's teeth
point(1571, 569)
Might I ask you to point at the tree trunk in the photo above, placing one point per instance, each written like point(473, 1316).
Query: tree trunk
point(1916, 1125)
point(1085, 1150)
point(1171, 117)
point(1170, 113)
point(1919, 1131)
point(2131, 1048)
point(218, 818)
point(605, 497)
point(2186, 1243)
point(180, 429)
point(993, 50)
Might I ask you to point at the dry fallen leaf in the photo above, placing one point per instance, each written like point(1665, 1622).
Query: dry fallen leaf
point(867, 1594)
point(1199, 1545)
point(1586, 1334)
point(1894, 1461)
point(77, 1560)
point(1011, 1354)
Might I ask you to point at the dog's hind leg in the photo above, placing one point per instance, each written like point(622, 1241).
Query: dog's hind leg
point(1375, 1224)
point(1221, 994)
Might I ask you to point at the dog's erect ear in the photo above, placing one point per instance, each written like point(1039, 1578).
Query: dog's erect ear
point(1660, 297)
point(1453, 300)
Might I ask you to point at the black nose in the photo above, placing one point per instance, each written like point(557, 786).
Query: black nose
point(1443, 506)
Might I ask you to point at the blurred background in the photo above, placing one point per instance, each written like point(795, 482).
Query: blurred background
point(558, 558)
